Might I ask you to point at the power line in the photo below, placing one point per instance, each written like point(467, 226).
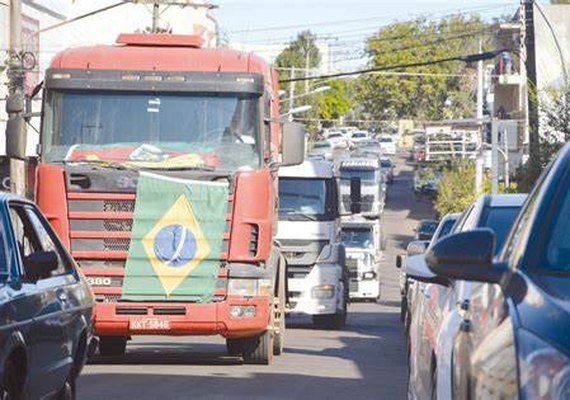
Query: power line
point(79, 17)
point(467, 58)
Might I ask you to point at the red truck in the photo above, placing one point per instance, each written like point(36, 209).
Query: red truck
point(158, 170)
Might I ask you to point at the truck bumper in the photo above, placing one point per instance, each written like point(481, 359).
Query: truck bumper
point(179, 319)
point(301, 296)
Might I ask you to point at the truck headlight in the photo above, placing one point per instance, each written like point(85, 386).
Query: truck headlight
point(242, 311)
point(545, 371)
point(369, 275)
point(323, 292)
point(249, 287)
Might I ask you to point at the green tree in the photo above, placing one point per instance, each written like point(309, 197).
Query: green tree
point(335, 102)
point(560, 1)
point(424, 97)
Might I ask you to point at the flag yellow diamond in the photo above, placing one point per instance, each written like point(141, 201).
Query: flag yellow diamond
point(175, 245)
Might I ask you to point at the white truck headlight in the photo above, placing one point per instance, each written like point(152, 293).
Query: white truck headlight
point(545, 371)
point(323, 292)
point(369, 275)
point(242, 311)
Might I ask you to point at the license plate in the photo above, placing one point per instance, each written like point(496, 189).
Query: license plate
point(149, 324)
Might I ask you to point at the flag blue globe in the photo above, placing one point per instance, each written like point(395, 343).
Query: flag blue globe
point(175, 245)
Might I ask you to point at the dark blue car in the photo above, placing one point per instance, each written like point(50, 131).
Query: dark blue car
point(515, 339)
point(45, 307)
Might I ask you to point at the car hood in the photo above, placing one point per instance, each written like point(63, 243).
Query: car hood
point(543, 306)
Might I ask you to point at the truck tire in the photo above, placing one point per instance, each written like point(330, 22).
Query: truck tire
point(112, 346)
point(234, 347)
point(11, 385)
point(258, 350)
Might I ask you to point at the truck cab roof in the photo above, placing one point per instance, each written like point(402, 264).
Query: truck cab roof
point(310, 168)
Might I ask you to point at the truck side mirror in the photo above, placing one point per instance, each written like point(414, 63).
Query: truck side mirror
point(355, 195)
point(292, 144)
point(15, 127)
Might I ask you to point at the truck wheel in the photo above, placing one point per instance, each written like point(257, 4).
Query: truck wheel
point(234, 347)
point(332, 321)
point(112, 346)
point(259, 349)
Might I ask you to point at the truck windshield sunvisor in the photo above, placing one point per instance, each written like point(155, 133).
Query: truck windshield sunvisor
point(142, 81)
point(153, 130)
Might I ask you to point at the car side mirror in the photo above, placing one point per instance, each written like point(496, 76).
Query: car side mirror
point(40, 264)
point(466, 256)
point(355, 195)
point(15, 127)
point(399, 261)
point(292, 144)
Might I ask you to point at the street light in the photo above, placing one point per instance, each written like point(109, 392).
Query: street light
point(296, 110)
point(320, 89)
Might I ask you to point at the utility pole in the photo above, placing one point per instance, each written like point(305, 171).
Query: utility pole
point(494, 157)
point(532, 87)
point(307, 66)
point(16, 88)
point(155, 16)
point(479, 159)
point(291, 94)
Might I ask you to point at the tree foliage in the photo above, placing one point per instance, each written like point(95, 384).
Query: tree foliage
point(456, 189)
point(424, 97)
point(336, 101)
point(296, 54)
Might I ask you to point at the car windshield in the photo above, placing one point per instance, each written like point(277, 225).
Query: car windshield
point(359, 135)
point(500, 220)
point(335, 135)
point(428, 227)
point(153, 130)
point(365, 175)
point(386, 140)
point(386, 163)
point(304, 198)
point(357, 237)
point(322, 145)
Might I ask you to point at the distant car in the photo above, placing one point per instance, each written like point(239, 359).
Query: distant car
point(359, 136)
point(515, 334)
point(45, 307)
point(439, 306)
point(388, 169)
point(323, 148)
point(426, 229)
point(337, 140)
point(388, 145)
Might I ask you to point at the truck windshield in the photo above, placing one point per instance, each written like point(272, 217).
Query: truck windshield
point(367, 176)
point(306, 199)
point(153, 130)
point(357, 237)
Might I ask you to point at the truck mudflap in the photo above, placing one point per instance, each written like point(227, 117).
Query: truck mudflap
point(233, 317)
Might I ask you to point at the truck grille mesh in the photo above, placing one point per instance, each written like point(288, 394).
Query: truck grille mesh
point(118, 205)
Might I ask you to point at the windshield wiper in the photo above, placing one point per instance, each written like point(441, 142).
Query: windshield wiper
point(181, 168)
point(304, 216)
point(100, 163)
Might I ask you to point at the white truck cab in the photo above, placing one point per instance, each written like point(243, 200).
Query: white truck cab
point(372, 186)
point(363, 243)
point(309, 236)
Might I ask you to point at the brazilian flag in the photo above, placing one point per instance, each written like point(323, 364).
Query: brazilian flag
point(176, 240)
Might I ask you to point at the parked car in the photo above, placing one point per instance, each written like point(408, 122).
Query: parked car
point(426, 229)
point(322, 148)
point(338, 140)
point(436, 316)
point(514, 338)
point(416, 250)
point(388, 169)
point(359, 136)
point(388, 144)
point(45, 307)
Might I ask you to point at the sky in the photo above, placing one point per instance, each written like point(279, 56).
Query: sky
point(343, 24)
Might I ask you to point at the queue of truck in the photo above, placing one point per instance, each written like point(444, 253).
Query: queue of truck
point(158, 172)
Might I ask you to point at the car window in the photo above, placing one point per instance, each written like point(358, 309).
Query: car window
point(3, 258)
point(32, 236)
point(500, 220)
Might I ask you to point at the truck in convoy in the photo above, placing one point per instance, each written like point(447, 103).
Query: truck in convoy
point(158, 170)
point(372, 183)
point(362, 239)
point(309, 236)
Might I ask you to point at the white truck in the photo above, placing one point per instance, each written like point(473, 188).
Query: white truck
point(372, 186)
point(309, 236)
point(363, 243)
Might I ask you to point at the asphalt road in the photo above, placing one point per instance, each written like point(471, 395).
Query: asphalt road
point(366, 360)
